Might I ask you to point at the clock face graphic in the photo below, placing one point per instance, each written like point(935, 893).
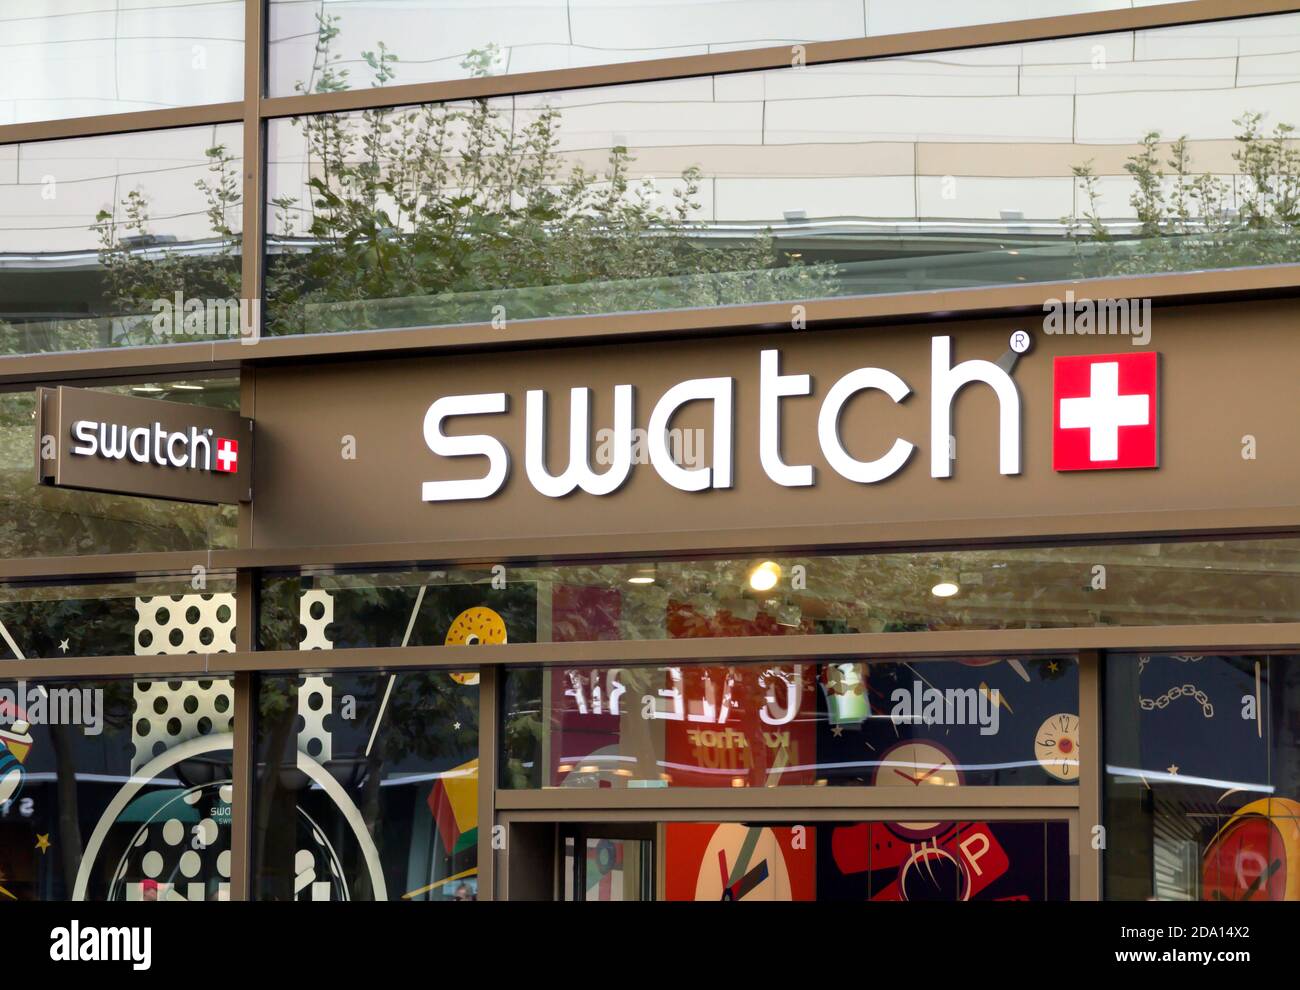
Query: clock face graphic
point(743, 863)
point(914, 764)
point(1056, 746)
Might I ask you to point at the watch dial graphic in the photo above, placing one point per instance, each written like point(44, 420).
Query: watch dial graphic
point(182, 850)
point(1056, 746)
point(913, 764)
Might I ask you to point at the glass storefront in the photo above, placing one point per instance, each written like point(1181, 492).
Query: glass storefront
point(396, 657)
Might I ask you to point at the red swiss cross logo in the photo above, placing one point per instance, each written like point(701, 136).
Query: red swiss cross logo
point(227, 455)
point(1105, 412)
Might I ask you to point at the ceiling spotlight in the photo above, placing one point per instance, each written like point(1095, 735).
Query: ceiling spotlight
point(764, 576)
point(645, 575)
point(945, 589)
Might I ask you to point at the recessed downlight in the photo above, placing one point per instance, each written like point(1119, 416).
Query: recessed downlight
point(765, 575)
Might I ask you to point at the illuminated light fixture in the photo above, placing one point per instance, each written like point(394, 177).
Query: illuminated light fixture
point(945, 589)
point(590, 768)
point(188, 388)
point(644, 576)
point(146, 388)
point(737, 781)
point(564, 768)
point(764, 576)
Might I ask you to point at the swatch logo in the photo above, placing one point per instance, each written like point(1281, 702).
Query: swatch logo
point(1105, 408)
point(227, 456)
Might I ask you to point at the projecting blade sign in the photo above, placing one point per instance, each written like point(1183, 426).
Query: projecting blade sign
point(98, 441)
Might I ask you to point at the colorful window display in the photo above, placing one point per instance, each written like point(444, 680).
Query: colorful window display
point(976, 721)
point(871, 861)
point(1202, 778)
point(116, 790)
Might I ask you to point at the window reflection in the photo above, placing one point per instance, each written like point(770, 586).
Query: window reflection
point(1085, 157)
point(1202, 788)
point(878, 723)
point(367, 787)
point(42, 521)
point(82, 59)
point(149, 617)
point(115, 790)
point(131, 236)
point(438, 36)
point(1012, 588)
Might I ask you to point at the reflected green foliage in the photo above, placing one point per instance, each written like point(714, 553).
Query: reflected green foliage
point(1188, 220)
point(416, 211)
point(38, 521)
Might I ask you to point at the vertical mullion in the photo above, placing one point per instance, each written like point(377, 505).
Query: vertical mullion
point(254, 153)
point(487, 779)
point(241, 819)
point(1090, 774)
point(241, 813)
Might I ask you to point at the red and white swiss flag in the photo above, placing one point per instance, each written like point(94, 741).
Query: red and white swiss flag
point(227, 455)
point(1104, 409)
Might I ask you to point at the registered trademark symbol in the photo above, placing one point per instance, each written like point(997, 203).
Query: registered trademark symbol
point(1021, 341)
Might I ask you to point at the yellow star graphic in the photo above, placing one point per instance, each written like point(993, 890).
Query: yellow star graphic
point(1173, 769)
point(43, 842)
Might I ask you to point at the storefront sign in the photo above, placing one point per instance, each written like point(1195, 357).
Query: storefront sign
point(114, 443)
point(867, 433)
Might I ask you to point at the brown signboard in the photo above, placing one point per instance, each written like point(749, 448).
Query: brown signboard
point(894, 433)
point(103, 442)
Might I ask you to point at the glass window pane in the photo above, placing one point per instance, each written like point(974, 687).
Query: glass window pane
point(1156, 151)
point(121, 240)
point(1006, 588)
point(148, 617)
point(367, 787)
point(42, 521)
point(81, 58)
point(430, 40)
point(115, 790)
point(980, 721)
point(1202, 778)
